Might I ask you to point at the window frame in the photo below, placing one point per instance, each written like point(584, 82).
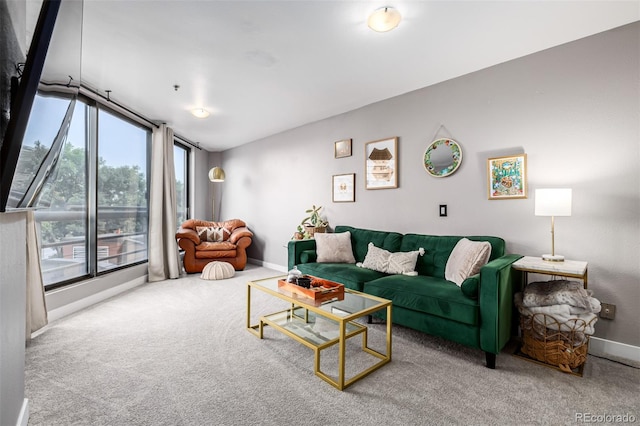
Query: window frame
point(91, 241)
point(187, 181)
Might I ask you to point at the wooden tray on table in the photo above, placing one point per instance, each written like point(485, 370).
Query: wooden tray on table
point(320, 290)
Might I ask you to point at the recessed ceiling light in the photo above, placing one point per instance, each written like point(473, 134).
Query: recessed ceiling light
point(200, 112)
point(384, 19)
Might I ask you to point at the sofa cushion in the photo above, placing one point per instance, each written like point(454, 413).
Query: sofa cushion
point(209, 246)
point(466, 259)
point(438, 248)
point(437, 251)
point(360, 239)
point(334, 248)
point(214, 254)
point(426, 294)
point(345, 273)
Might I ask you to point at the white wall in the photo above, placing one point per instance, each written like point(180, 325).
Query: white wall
point(13, 296)
point(573, 109)
point(13, 407)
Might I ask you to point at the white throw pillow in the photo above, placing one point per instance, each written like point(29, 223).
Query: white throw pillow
point(382, 260)
point(334, 248)
point(377, 259)
point(403, 262)
point(466, 259)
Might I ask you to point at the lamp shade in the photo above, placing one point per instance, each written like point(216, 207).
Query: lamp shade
point(384, 19)
point(553, 202)
point(216, 174)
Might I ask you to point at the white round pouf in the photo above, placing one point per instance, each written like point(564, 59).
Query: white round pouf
point(217, 271)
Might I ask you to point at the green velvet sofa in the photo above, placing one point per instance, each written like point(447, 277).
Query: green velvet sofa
point(477, 314)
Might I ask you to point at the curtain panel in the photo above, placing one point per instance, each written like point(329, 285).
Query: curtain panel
point(36, 305)
point(164, 260)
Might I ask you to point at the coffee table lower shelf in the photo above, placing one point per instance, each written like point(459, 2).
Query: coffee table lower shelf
point(318, 330)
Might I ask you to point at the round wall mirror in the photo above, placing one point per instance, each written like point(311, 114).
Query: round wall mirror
point(442, 158)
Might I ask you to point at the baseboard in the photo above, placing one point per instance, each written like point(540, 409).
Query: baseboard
point(76, 306)
point(273, 266)
point(23, 419)
point(614, 350)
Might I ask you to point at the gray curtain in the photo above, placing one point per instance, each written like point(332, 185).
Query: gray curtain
point(164, 261)
point(36, 305)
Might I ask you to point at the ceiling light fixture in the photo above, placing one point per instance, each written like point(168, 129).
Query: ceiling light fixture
point(384, 19)
point(200, 112)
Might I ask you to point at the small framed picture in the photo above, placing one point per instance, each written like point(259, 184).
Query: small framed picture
point(507, 177)
point(344, 188)
point(342, 148)
point(381, 164)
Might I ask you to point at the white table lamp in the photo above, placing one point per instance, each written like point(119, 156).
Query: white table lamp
point(553, 202)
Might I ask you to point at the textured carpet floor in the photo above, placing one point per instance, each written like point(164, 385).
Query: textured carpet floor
point(177, 353)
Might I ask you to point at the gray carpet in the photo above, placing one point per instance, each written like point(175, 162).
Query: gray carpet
point(177, 353)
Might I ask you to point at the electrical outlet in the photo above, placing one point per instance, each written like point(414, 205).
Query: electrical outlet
point(607, 311)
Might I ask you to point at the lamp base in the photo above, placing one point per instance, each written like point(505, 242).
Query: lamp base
point(553, 257)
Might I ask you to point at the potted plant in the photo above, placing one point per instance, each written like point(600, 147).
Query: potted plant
point(311, 224)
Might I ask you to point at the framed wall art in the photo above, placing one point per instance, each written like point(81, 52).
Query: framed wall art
point(344, 188)
point(342, 148)
point(507, 177)
point(381, 164)
point(442, 157)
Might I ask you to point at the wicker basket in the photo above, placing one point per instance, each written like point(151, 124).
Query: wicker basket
point(563, 345)
point(315, 229)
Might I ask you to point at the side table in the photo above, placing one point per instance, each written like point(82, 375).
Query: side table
point(569, 269)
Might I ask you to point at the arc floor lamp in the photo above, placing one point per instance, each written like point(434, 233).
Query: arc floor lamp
point(216, 174)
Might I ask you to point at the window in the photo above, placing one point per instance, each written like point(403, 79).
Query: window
point(122, 215)
point(84, 232)
point(62, 213)
point(181, 165)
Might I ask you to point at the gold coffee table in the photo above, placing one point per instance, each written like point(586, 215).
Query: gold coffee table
point(322, 324)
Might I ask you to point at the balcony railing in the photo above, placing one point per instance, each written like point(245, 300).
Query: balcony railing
point(67, 258)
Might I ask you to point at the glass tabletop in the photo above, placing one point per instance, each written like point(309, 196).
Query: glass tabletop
point(354, 304)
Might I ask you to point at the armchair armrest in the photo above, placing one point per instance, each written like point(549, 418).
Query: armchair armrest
point(497, 281)
point(188, 234)
point(295, 249)
point(239, 232)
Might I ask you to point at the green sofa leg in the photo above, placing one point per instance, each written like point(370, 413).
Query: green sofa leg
point(491, 360)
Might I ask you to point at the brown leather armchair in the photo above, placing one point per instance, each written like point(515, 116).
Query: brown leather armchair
point(198, 253)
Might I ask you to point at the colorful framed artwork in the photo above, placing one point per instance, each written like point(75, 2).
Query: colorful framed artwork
point(381, 164)
point(342, 148)
point(344, 188)
point(507, 177)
